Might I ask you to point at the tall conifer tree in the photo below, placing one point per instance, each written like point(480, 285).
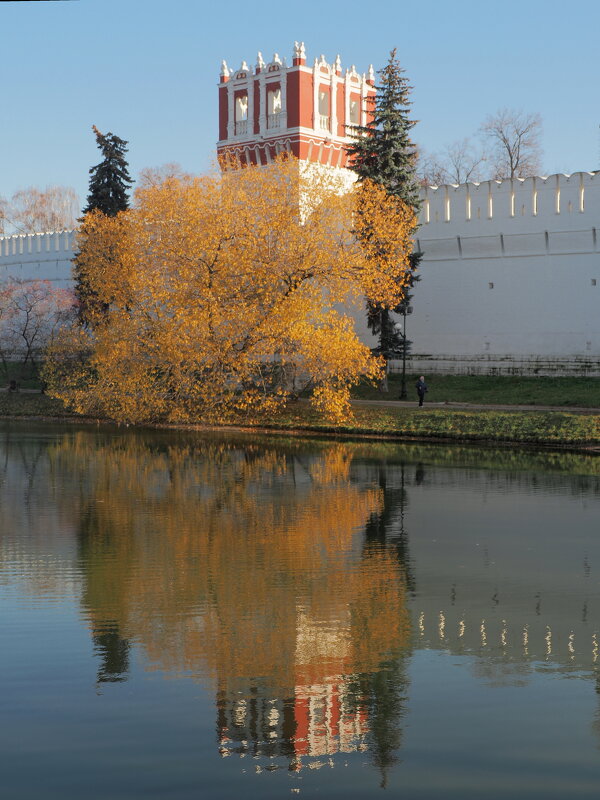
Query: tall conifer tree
point(109, 181)
point(108, 193)
point(383, 152)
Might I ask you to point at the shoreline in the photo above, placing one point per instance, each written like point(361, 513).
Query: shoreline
point(328, 431)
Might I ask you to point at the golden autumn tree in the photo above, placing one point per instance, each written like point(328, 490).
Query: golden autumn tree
point(220, 296)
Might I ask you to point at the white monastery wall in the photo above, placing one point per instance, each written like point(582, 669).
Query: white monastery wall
point(38, 256)
point(510, 277)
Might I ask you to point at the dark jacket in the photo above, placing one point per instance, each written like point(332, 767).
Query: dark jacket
point(421, 387)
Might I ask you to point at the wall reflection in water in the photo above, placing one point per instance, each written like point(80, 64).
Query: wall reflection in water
point(280, 573)
point(266, 569)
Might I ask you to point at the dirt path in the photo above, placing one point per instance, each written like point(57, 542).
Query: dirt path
point(448, 406)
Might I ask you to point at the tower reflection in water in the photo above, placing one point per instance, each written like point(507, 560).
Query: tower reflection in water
point(274, 571)
point(280, 574)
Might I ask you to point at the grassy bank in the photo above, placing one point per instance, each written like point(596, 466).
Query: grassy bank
point(476, 389)
point(538, 427)
point(26, 376)
point(31, 404)
point(490, 390)
point(532, 427)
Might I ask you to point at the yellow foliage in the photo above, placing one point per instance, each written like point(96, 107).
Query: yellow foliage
point(383, 225)
point(254, 566)
point(218, 296)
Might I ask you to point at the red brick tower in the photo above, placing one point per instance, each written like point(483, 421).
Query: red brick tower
point(299, 109)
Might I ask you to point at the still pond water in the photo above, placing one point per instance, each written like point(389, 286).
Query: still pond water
point(192, 616)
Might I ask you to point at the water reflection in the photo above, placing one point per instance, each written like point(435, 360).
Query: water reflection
point(273, 571)
point(297, 579)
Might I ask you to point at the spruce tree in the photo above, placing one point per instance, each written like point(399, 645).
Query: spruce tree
point(382, 151)
point(109, 186)
point(109, 181)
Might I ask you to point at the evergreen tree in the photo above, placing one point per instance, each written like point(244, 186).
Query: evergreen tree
point(383, 151)
point(109, 181)
point(382, 322)
point(109, 185)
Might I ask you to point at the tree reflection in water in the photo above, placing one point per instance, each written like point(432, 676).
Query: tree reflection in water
point(272, 570)
point(281, 573)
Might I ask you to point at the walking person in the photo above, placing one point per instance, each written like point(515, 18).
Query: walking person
point(421, 389)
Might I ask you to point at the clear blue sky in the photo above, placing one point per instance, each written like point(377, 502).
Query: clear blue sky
point(147, 71)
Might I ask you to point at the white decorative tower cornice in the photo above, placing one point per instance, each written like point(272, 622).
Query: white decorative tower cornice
point(299, 50)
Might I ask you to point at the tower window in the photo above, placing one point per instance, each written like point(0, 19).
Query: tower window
point(324, 110)
point(274, 108)
point(241, 114)
point(241, 108)
point(274, 101)
point(354, 112)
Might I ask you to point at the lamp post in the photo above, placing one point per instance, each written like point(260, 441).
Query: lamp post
point(401, 329)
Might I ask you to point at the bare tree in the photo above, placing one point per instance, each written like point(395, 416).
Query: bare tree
point(430, 170)
point(515, 140)
point(154, 176)
point(35, 210)
point(31, 313)
point(459, 162)
point(2, 214)
point(464, 161)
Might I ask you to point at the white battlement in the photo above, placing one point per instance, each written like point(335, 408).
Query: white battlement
point(526, 204)
point(33, 243)
point(37, 256)
point(299, 59)
point(510, 277)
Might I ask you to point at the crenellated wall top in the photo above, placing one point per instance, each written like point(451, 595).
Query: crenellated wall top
point(552, 201)
point(31, 244)
point(279, 64)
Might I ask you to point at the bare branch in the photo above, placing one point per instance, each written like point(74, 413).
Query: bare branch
point(31, 313)
point(459, 162)
point(33, 210)
point(515, 140)
point(155, 176)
